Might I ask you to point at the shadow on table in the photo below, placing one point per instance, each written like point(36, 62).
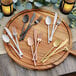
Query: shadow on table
point(71, 74)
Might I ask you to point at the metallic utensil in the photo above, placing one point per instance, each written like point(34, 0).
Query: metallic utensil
point(39, 39)
point(48, 22)
point(15, 35)
point(7, 40)
point(10, 35)
point(35, 37)
point(55, 44)
point(30, 43)
point(25, 20)
point(55, 18)
point(23, 35)
point(64, 49)
point(61, 45)
point(58, 23)
point(59, 51)
point(35, 22)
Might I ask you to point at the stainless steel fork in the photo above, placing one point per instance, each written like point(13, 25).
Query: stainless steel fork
point(15, 35)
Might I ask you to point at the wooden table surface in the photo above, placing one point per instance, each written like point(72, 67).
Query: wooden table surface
point(9, 68)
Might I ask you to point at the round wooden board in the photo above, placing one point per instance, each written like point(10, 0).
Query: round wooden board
point(62, 32)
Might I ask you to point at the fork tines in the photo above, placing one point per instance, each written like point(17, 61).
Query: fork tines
point(38, 20)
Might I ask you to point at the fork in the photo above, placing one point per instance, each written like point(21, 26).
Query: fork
point(35, 22)
point(24, 33)
point(61, 45)
point(58, 22)
point(56, 43)
point(15, 35)
point(39, 39)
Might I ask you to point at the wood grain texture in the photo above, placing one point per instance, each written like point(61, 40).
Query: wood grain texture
point(62, 33)
point(6, 63)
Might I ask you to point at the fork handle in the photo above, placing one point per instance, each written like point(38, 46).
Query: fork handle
point(22, 36)
point(55, 28)
point(45, 56)
point(17, 41)
point(15, 50)
point(28, 27)
point(24, 33)
point(18, 46)
point(33, 56)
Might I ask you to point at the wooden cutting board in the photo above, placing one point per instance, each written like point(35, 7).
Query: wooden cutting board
point(63, 31)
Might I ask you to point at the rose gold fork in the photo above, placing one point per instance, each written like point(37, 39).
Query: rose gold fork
point(39, 39)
